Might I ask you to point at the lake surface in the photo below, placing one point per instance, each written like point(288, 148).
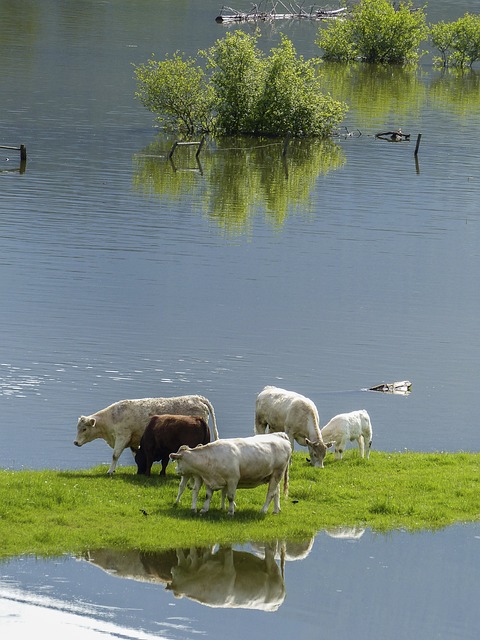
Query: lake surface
point(122, 277)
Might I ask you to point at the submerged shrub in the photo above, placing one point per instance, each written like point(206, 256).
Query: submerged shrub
point(377, 32)
point(237, 79)
point(458, 42)
point(177, 90)
point(292, 101)
point(247, 92)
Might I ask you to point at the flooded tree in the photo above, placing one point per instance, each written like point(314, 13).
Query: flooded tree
point(458, 42)
point(177, 90)
point(244, 91)
point(377, 32)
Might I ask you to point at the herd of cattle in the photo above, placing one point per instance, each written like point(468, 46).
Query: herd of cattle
point(160, 429)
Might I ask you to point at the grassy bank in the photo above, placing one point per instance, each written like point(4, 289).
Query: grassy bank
point(55, 512)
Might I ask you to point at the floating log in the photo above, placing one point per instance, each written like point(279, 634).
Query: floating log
point(404, 387)
point(393, 136)
point(229, 15)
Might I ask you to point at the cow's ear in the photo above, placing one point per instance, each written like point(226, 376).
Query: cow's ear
point(329, 444)
point(309, 442)
point(175, 456)
point(90, 422)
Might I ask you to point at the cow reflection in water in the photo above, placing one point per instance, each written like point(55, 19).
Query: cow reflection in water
point(229, 578)
point(345, 533)
point(134, 565)
point(286, 550)
point(221, 577)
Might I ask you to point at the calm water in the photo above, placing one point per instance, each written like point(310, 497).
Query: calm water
point(124, 278)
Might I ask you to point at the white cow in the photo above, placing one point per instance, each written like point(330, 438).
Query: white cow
point(347, 427)
point(280, 410)
point(234, 463)
point(122, 424)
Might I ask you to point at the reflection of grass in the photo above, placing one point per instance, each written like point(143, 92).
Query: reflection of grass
point(240, 177)
point(52, 512)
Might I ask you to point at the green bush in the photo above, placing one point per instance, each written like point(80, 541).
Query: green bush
point(177, 90)
point(458, 42)
point(292, 101)
point(247, 92)
point(377, 32)
point(237, 78)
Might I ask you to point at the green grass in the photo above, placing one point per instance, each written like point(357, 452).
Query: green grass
point(54, 512)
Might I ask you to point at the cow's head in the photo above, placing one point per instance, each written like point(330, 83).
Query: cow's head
point(141, 461)
point(85, 430)
point(317, 451)
point(178, 458)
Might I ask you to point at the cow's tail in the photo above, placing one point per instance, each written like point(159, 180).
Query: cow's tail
point(209, 406)
point(316, 424)
point(369, 431)
point(285, 480)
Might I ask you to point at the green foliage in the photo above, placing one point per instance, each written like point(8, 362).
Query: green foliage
point(246, 93)
point(377, 32)
point(57, 512)
point(292, 100)
point(442, 36)
point(237, 78)
point(177, 90)
point(337, 41)
point(458, 42)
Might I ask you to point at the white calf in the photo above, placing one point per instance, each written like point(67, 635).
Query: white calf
point(347, 427)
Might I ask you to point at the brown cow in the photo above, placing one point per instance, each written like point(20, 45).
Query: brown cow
point(164, 435)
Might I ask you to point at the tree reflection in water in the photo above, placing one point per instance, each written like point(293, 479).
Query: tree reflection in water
point(235, 178)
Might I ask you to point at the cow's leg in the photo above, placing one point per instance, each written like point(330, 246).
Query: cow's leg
point(149, 460)
point(231, 491)
point(361, 446)
point(197, 483)
point(181, 488)
point(276, 498)
point(273, 493)
point(120, 445)
point(208, 498)
point(368, 446)
point(224, 495)
point(165, 460)
point(340, 448)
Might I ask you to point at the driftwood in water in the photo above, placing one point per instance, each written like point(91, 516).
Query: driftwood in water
point(404, 387)
point(291, 12)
